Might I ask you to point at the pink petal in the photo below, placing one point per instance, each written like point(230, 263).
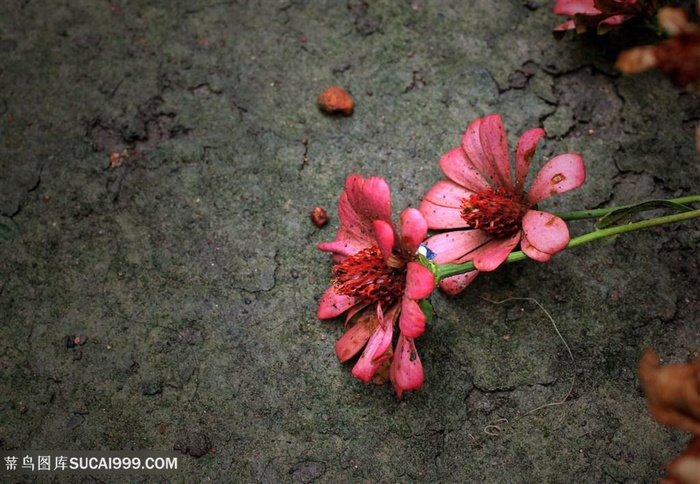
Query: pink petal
point(362, 202)
point(406, 371)
point(353, 341)
point(606, 25)
point(495, 252)
point(560, 174)
point(391, 314)
point(442, 205)
point(370, 197)
point(568, 25)
point(523, 156)
point(534, 254)
point(473, 145)
point(384, 234)
point(456, 246)
point(377, 351)
point(355, 227)
point(495, 144)
point(572, 7)
point(456, 284)
point(413, 229)
point(420, 281)
point(333, 304)
point(545, 232)
point(412, 319)
point(354, 310)
point(447, 193)
point(345, 247)
point(439, 217)
point(458, 168)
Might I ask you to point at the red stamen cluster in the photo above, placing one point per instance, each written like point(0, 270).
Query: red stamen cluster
point(496, 211)
point(368, 277)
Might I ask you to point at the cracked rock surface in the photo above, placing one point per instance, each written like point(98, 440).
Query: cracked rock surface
point(158, 164)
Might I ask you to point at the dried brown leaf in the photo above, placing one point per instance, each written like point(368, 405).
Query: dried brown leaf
point(673, 392)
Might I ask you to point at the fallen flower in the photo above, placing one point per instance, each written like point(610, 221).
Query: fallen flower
point(685, 469)
point(377, 282)
point(673, 392)
point(678, 57)
point(603, 15)
point(488, 214)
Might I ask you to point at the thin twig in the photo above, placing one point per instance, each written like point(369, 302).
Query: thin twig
point(493, 429)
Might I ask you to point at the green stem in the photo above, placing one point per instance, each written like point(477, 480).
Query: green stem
point(447, 270)
point(601, 212)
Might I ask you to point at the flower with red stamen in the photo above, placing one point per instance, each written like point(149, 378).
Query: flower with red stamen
point(377, 282)
point(603, 15)
point(493, 211)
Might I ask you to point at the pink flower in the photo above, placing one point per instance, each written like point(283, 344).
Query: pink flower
point(604, 15)
point(377, 282)
point(482, 197)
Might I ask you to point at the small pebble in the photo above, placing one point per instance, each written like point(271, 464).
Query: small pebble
point(335, 100)
point(75, 340)
point(319, 217)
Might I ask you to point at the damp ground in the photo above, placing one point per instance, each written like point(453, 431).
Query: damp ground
point(158, 273)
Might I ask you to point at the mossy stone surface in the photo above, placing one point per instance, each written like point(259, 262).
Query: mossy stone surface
point(189, 261)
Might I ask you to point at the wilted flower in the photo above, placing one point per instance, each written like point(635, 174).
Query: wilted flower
point(685, 469)
point(673, 392)
point(678, 57)
point(377, 282)
point(673, 395)
point(494, 212)
point(603, 15)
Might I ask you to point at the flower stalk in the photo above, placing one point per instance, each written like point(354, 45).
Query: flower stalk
point(448, 270)
point(602, 212)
